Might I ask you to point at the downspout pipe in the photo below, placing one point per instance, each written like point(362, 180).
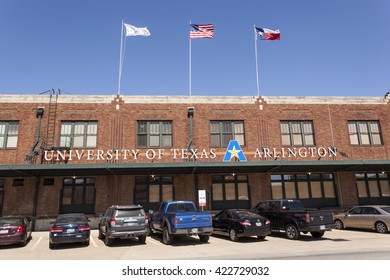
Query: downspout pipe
point(33, 152)
point(190, 116)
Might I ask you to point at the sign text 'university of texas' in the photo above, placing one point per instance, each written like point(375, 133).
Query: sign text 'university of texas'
point(233, 152)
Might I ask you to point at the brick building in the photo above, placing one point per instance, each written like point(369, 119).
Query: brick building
point(67, 153)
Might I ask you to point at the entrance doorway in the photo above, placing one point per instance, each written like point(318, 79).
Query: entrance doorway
point(78, 196)
point(230, 191)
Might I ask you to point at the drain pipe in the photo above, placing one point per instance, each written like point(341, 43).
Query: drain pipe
point(33, 151)
point(190, 116)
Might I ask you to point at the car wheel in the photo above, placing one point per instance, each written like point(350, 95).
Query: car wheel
point(24, 241)
point(167, 237)
point(86, 243)
point(233, 235)
point(204, 238)
point(338, 224)
point(108, 241)
point(142, 239)
point(317, 234)
point(292, 231)
point(380, 227)
point(51, 245)
point(261, 237)
point(101, 236)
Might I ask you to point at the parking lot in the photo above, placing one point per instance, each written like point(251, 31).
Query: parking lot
point(335, 245)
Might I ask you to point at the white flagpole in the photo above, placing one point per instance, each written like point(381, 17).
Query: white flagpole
point(190, 65)
point(120, 62)
point(257, 63)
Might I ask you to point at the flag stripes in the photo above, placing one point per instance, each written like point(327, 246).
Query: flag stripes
point(201, 31)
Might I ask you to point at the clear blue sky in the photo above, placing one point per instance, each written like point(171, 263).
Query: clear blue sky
point(327, 48)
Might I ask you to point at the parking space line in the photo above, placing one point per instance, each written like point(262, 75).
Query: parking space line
point(93, 242)
point(36, 244)
point(151, 240)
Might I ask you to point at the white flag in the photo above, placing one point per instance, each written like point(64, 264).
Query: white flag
point(136, 31)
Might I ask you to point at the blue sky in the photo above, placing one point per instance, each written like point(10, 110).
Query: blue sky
point(327, 48)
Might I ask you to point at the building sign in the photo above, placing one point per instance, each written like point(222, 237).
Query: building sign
point(233, 151)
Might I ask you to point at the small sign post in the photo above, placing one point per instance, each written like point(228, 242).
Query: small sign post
point(202, 198)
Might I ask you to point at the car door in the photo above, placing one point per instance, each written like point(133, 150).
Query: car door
point(369, 217)
point(157, 216)
point(353, 218)
point(105, 220)
point(219, 223)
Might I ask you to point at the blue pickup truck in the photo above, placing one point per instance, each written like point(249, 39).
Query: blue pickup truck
point(180, 218)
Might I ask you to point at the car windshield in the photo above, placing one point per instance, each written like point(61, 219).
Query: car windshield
point(386, 209)
point(70, 219)
point(245, 214)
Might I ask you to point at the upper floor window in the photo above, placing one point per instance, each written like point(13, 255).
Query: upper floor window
point(221, 132)
point(297, 133)
point(154, 134)
point(78, 134)
point(364, 133)
point(9, 134)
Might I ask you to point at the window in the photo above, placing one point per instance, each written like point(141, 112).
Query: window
point(373, 185)
point(78, 134)
point(364, 133)
point(230, 192)
point(221, 132)
point(18, 182)
point(149, 191)
point(297, 133)
point(78, 195)
point(9, 134)
point(302, 186)
point(48, 181)
point(154, 134)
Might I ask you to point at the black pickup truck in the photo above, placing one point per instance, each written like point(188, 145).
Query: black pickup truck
point(291, 217)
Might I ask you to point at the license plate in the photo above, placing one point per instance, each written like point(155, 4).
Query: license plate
point(3, 231)
point(130, 224)
point(71, 230)
point(194, 230)
point(322, 227)
point(258, 224)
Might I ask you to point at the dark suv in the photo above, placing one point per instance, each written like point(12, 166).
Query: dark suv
point(123, 221)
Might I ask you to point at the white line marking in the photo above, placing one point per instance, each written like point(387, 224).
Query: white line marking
point(151, 240)
point(36, 244)
point(93, 242)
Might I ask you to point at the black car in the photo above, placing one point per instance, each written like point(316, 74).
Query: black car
point(237, 223)
point(69, 228)
point(15, 230)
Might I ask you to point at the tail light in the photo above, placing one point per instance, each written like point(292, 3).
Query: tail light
point(55, 229)
point(267, 222)
point(175, 220)
point(245, 223)
point(20, 229)
point(112, 221)
point(146, 219)
point(307, 218)
point(82, 228)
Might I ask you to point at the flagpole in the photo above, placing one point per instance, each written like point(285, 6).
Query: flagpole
point(190, 66)
point(257, 63)
point(120, 62)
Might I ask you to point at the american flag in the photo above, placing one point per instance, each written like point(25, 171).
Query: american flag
point(201, 31)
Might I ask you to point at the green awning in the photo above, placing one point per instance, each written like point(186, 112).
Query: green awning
point(193, 167)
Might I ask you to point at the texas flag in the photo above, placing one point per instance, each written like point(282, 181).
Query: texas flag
point(267, 34)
